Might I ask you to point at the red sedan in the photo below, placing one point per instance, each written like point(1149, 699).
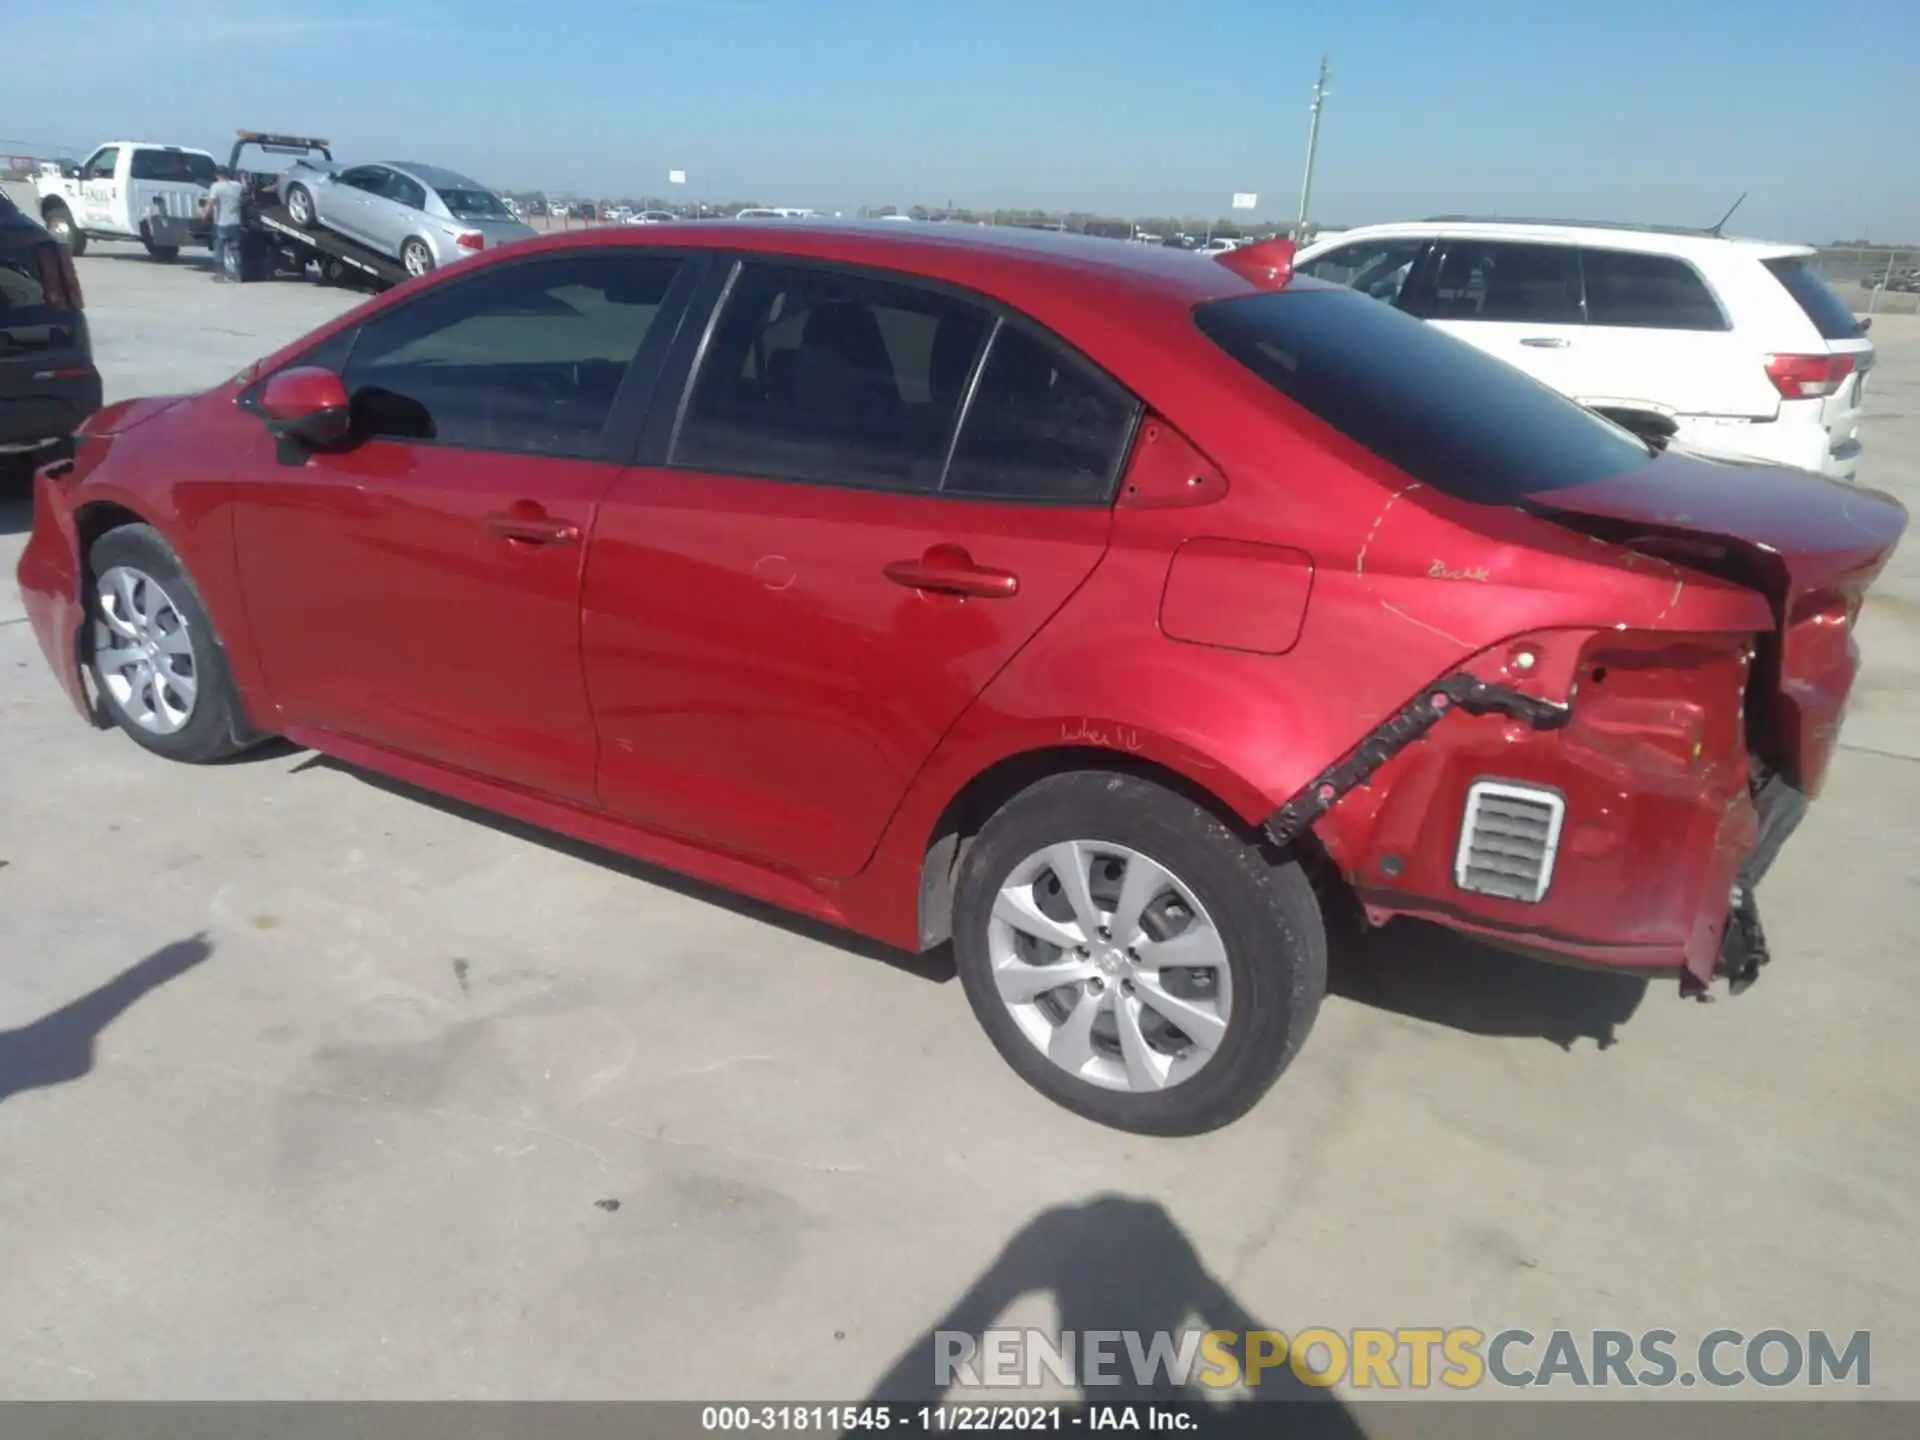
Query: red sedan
point(1111, 611)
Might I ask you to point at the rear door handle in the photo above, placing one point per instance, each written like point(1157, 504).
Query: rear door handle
point(532, 529)
point(1545, 342)
point(949, 570)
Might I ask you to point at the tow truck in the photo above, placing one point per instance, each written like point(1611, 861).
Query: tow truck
point(127, 190)
point(271, 244)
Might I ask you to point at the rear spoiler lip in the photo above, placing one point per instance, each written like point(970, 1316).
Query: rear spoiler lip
point(1267, 263)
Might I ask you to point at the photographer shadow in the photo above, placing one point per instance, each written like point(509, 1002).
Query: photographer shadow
point(1112, 1263)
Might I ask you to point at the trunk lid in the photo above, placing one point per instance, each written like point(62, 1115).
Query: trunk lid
point(1812, 546)
point(498, 232)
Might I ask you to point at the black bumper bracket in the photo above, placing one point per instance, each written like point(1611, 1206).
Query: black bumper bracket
point(1456, 692)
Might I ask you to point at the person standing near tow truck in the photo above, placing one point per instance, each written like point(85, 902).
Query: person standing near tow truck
point(224, 198)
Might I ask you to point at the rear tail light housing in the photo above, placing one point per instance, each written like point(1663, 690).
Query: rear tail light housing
point(58, 280)
point(1808, 377)
point(470, 240)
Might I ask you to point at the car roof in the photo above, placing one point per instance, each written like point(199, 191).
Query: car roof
point(147, 145)
point(1690, 244)
point(994, 259)
point(433, 176)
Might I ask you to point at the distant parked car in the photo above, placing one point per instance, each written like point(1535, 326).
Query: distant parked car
point(652, 217)
point(1218, 246)
point(421, 215)
point(48, 383)
point(1729, 347)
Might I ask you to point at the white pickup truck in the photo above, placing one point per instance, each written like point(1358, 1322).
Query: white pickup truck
point(128, 190)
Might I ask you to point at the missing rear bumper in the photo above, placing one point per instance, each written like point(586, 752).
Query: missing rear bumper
point(1461, 692)
point(1743, 946)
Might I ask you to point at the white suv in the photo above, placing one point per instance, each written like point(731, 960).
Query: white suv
point(1729, 347)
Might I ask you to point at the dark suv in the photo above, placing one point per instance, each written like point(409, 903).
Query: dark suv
point(48, 383)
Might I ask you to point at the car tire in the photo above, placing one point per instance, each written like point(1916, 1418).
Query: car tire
point(1255, 997)
point(162, 253)
point(158, 665)
point(300, 208)
point(60, 225)
point(416, 258)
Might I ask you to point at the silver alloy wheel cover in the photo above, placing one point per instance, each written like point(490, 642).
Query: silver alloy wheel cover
point(1107, 964)
point(140, 641)
point(414, 256)
point(300, 206)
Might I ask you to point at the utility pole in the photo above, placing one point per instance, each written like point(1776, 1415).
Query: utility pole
point(1313, 146)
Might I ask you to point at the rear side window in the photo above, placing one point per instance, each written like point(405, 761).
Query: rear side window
point(831, 377)
point(1831, 315)
point(20, 287)
point(1494, 280)
point(1443, 412)
point(1041, 427)
point(404, 191)
point(1647, 291)
point(526, 358)
point(175, 166)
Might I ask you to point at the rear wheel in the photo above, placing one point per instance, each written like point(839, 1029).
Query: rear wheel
point(156, 661)
point(59, 221)
point(416, 257)
point(1133, 958)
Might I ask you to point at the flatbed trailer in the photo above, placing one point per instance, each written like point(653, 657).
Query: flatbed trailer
point(272, 245)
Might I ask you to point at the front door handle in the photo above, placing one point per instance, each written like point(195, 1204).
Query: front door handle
point(1545, 342)
point(530, 525)
point(949, 570)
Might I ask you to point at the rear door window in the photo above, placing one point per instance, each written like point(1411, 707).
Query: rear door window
point(1042, 426)
point(1437, 408)
point(1499, 280)
point(1655, 292)
point(20, 287)
point(404, 190)
point(1831, 315)
point(828, 376)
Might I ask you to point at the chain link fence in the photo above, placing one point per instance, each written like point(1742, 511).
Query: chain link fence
point(1874, 279)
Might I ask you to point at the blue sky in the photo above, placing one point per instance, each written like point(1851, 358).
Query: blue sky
point(1635, 109)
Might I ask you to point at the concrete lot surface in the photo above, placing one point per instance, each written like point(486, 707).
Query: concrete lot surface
point(313, 1087)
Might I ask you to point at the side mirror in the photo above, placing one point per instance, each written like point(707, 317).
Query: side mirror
point(307, 404)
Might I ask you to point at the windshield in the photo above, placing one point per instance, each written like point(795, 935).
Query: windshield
point(474, 205)
point(1434, 406)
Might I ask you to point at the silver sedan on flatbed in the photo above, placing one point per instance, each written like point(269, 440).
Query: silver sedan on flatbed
point(421, 215)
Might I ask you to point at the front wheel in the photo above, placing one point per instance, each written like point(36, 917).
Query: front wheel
point(416, 257)
point(1134, 959)
point(157, 664)
point(300, 206)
